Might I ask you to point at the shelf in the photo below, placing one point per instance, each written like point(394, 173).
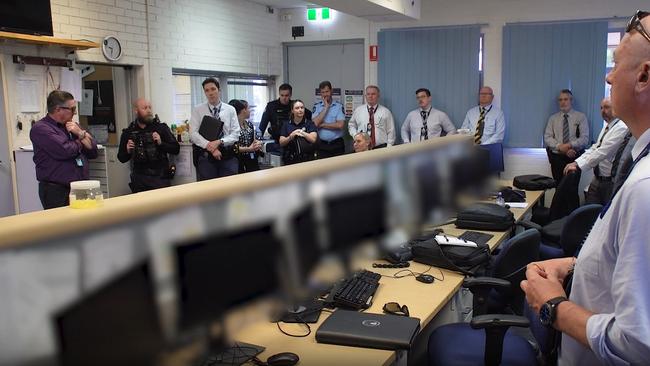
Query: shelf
point(44, 40)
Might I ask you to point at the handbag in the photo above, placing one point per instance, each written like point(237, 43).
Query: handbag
point(485, 216)
point(467, 260)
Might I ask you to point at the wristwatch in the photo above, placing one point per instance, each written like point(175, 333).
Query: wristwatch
point(548, 311)
point(83, 135)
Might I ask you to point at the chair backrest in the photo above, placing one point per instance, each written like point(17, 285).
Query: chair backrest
point(566, 197)
point(510, 263)
point(577, 226)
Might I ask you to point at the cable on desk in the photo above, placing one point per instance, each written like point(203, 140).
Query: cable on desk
point(397, 274)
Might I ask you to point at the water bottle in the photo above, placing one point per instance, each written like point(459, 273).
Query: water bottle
point(500, 201)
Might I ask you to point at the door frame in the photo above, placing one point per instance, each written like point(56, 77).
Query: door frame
point(10, 148)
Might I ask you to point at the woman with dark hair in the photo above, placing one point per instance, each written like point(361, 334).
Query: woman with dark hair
point(298, 136)
point(249, 146)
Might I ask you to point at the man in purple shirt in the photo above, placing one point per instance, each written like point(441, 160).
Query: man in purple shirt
point(61, 150)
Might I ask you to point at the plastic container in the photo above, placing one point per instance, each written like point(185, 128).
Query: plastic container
point(86, 194)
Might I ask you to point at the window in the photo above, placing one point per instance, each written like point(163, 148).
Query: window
point(188, 92)
point(613, 39)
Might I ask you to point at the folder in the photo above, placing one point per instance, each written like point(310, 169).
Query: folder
point(211, 128)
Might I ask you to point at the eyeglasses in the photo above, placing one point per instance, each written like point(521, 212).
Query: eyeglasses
point(635, 24)
point(395, 309)
point(71, 109)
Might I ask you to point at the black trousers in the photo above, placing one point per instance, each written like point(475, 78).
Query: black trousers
point(558, 162)
point(599, 191)
point(330, 149)
point(143, 182)
point(246, 164)
point(53, 195)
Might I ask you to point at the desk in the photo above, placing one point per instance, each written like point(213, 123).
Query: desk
point(423, 300)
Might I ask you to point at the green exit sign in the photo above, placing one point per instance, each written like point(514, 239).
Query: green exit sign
point(314, 14)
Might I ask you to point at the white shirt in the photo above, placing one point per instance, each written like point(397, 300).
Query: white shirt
point(437, 121)
point(611, 278)
point(603, 156)
point(495, 124)
point(230, 124)
point(384, 123)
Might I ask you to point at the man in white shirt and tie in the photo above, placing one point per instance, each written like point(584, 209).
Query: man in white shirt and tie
point(425, 122)
point(215, 158)
point(485, 121)
point(374, 119)
point(600, 156)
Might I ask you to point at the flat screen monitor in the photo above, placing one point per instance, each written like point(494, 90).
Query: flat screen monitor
point(495, 151)
point(117, 324)
point(26, 16)
point(219, 272)
point(354, 217)
point(308, 250)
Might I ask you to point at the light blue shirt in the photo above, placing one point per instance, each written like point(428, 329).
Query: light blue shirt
point(335, 113)
point(611, 278)
point(495, 124)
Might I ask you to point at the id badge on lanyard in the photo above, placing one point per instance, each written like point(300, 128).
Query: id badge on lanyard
point(79, 161)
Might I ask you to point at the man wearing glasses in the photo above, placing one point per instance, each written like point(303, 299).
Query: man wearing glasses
point(61, 150)
point(485, 121)
point(425, 122)
point(374, 119)
point(566, 135)
point(606, 319)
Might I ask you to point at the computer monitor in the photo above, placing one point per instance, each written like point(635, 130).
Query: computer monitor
point(354, 217)
point(117, 324)
point(429, 188)
point(495, 151)
point(305, 234)
point(221, 271)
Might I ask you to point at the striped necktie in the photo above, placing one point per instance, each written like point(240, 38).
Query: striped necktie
point(480, 125)
point(566, 136)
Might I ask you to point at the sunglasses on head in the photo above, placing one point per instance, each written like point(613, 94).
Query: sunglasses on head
point(396, 309)
point(635, 24)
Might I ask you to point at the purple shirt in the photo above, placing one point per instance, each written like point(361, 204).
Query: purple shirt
point(56, 152)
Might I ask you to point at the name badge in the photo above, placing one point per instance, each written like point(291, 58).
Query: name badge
point(79, 162)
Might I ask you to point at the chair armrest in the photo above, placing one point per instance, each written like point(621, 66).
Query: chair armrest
point(489, 282)
point(496, 326)
point(498, 320)
point(529, 225)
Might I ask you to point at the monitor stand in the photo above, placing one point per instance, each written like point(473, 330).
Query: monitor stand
point(304, 312)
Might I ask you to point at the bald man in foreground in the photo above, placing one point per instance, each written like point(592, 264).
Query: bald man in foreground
point(606, 319)
point(485, 121)
point(146, 143)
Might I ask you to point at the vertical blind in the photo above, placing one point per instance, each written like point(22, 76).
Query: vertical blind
point(539, 60)
point(444, 60)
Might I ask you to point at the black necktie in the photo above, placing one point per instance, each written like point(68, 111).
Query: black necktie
point(424, 132)
point(566, 136)
point(480, 125)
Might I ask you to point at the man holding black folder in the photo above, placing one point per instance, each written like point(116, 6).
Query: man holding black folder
point(214, 131)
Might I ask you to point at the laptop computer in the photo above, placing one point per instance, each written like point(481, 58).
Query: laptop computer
point(352, 328)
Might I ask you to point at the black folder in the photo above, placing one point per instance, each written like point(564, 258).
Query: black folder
point(211, 128)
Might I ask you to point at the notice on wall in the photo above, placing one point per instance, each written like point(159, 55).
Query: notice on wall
point(29, 97)
point(86, 103)
point(353, 99)
point(183, 163)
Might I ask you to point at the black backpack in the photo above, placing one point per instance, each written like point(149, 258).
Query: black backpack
point(533, 182)
point(485, 216)
point(467, 260)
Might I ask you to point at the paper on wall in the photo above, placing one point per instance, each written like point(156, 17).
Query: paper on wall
point(86, 103)
point(183, 163)
point(28, 90)
point(71, 82)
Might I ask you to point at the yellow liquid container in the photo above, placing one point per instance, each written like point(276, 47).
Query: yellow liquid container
point(86, 194)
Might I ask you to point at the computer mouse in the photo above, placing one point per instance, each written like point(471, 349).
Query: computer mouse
point(283, 359)
point(425, 278)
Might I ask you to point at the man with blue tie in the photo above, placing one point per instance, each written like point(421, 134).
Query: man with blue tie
point(485, 121)
point(215, 158)
point(329, 118)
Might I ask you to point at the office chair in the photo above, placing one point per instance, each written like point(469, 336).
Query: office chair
point(564, 201)
point(563, 237)
point(487, 339)
point(509, 265)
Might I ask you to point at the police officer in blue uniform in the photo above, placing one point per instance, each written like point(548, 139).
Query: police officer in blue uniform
point(329, 118)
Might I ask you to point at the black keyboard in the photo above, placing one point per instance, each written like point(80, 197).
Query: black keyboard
point(357, 291)
point(476, 237)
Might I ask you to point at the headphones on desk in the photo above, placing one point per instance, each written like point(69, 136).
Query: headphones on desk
point(391, 265)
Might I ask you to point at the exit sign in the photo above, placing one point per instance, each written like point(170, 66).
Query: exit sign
point(315, 14)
